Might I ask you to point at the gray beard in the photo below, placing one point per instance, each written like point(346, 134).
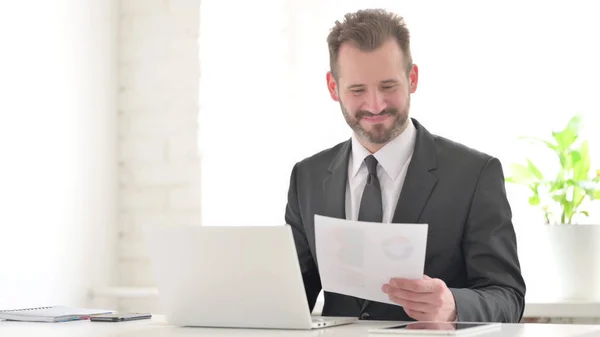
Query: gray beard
point(378, 134)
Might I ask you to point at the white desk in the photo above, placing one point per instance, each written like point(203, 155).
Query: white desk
point(553, 309)
point(157, 327)
point(562, 309)
point(533, 308)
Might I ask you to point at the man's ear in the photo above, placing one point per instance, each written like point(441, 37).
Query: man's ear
point(332, 87)
point(413, 77)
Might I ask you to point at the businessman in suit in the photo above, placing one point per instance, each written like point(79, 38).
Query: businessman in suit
point(393, 170)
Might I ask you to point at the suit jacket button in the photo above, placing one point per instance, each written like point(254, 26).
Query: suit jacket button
point(365, 316)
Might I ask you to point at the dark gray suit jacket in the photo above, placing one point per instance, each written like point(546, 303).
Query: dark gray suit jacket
point(459, 192)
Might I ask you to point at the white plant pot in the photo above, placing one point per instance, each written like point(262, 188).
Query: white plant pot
point(574, 252)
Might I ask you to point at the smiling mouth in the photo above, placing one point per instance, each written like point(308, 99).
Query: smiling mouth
point(376, 118)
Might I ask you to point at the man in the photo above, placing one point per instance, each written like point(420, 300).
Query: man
point(393, 170)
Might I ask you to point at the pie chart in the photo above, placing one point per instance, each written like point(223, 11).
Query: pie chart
point(397, 248)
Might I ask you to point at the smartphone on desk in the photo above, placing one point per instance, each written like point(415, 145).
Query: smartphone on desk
point(119, 317)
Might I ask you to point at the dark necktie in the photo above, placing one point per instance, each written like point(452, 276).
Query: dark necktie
point(370, 204)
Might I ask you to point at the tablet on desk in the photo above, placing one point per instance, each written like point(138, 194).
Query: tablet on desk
point(438, 328)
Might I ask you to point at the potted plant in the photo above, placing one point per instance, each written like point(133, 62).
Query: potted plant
point(565, 200)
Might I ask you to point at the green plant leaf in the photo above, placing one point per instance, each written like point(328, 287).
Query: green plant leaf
point(578, 196)
point(581, 167)
point(520, 174)
point(534, 170)
point(568, 212)
point(564, 161)
point(596, 195)
point(534, 200)
point(586, 213)
point(565, 138)
point(572, 182)
point(534, 188)
point(569, 134)
point(557, 185)
point(559, 197)
point(575, 157)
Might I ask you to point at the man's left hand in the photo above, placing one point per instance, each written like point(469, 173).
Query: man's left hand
point(427, 299)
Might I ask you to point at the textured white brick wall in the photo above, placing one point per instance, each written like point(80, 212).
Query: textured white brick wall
point(159, 171)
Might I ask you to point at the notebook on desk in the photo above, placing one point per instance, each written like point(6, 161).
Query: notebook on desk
point(50, 314)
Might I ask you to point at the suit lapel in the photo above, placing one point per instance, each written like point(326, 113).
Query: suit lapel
point(334, 184)
point(419, 181)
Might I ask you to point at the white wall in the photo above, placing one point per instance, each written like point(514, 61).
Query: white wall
point(57, 140)
point(247, 112)
point(98, 130)
point(159, 164)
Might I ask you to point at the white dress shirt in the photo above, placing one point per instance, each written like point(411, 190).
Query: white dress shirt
point(393, 160)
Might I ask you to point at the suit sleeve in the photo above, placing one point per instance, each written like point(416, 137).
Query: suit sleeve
point(293, 217)
point(496, 289)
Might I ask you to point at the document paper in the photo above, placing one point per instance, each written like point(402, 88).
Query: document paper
point(357, 258)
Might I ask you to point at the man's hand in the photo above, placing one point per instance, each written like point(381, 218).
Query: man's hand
point(423, 300)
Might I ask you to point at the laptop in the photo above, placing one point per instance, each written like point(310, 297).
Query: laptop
point(231, 277)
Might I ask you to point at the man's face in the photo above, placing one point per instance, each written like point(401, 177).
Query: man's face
point(373, 90)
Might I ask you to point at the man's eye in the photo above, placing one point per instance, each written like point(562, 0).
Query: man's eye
point(388, 87)
point(357, 91)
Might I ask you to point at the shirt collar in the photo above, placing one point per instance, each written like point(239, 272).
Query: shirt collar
point(392, 156)
point(359, 153)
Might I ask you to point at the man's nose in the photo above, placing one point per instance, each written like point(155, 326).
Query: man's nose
point(376, 102)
